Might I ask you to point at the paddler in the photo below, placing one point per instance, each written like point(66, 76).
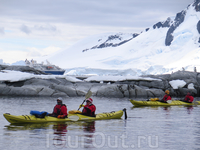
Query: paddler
point(166, 97)
point(188, 98)
point(60, 110)
point(88, 109)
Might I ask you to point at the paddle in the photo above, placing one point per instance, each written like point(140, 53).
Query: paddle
point(88, 95)
point(125, 114)
point(74, 118)
point(169, 101)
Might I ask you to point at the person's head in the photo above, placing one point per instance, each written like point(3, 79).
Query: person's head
point(188, 93)
point(89, 101)
point(167, 92)
point(59, 100)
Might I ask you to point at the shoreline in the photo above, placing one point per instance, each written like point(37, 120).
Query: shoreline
point(26, 81)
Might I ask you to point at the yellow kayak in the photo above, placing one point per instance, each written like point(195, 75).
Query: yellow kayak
point(157, 103)
point(71, 117)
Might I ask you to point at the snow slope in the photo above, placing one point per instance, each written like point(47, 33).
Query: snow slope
point(146, 53)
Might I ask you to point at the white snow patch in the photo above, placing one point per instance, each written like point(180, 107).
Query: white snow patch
point(117, 78)
point(191, 86)
point(177, 84)
point(14, 76)
point(72, 79)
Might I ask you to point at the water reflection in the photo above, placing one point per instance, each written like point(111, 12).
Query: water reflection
point(89, 129)
point(17, 127)
point(60, 131)
point(166, 108)
point(56, 134)
point(189, 109)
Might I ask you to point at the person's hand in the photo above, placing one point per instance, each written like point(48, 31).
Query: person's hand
point(81, 105)
point(60, 116)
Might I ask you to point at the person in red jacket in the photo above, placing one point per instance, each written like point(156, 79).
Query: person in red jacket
point(166, 97)
point(89, 109)
point(188, 98)
point(60, 110)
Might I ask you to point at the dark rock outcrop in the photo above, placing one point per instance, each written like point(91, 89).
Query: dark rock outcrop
point(108, 42)
point(162, 24)
point(178, 20)
point(198, 26)
point(196, 5)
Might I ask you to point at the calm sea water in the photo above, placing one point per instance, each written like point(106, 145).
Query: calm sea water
point(162, 128)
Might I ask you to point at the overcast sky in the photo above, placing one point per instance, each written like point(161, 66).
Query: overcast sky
point(30, 28)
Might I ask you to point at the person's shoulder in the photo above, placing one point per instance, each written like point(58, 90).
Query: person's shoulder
point(64, 105)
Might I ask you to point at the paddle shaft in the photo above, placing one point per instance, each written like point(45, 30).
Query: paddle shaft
point(88, 95)
point(81, 104)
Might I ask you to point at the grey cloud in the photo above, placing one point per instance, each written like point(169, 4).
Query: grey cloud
point(2, 30)
point(25, 29)
point(124, 13)
point(45, 27)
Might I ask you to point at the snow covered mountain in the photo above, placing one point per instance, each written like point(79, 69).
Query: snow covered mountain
point(165, 47)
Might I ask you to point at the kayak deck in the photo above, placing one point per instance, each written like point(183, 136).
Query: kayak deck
point(71, 117)
point(157, 103)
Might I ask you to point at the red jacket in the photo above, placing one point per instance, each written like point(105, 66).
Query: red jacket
point(189, 98)
point(166, 98)
point(89, 110)
point(60, 110)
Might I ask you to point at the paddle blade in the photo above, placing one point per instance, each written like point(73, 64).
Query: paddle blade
point(169, 101)
point(88, 95)
point(74, 118)
point(125, 114)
